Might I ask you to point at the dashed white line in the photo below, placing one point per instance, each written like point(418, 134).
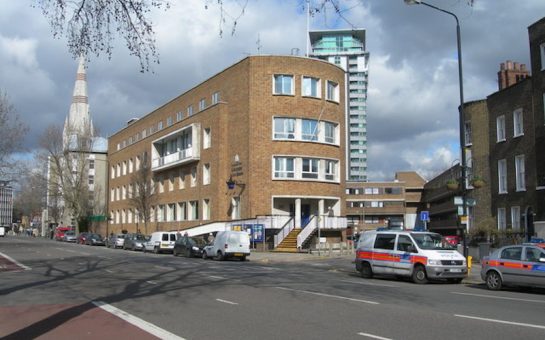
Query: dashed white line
point(373, 336)
point(369, 283)
point(500, 321)
point(227, 302)
point(499, 297)
point(109, 271)
point(151, 282)
point(329, 295)
point(136, 321)
point(215, 277)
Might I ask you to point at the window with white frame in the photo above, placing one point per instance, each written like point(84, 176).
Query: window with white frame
point(215, 98)
point(161, 184)
point(194, 210)
point(202, 104)
point(330, 132)
point(160, 213)
point(207, 139)
point(182, 180)
point(123, 216)
point(118, 172)
point(124, 168)
point(520, 178)
point(311, 87)
point(502, 176)
point(309, 129)
point(117, 194)
point(124, 192)
point(131, 165)
point(542, 53)
point(205, 209)
point(113, 172)
point(193, 176)
point(332, 91)
point(179, 116)
point(160, 125)
point(144, 133)
point(310, 168)
point(137, 163)
point(190, 110)
point(284, 128)
point(515, 218)
point(169, 121)
point(182, 211)
point(501, 219)
point(467, 133)
point(171, 212)
point(283, 84)
point(500, 128)
point(284, 167)
point(518, 129)
point(206, 174)
point(171, 182)
point(112, 195)
point(330, 170)
point(129, 215)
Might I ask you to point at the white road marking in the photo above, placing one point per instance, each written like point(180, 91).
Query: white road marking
point(499, 297)
point(328, 295)
point(15, 261)
point(82, 263)
point(109, 271)
point(373, 336)
point(136, 321)
point(228, 302)
point(215, 277)
point(501, 321)
point(365, 283)
point(151, 282)
point(105, 257)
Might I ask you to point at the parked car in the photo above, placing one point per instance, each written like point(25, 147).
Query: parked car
point(517, 265)
point(160, 242)
point(116, 241)
point(94, 240)
point(82, 237)
point(189, 246)
point(453, 240)
point(134, 241)
point(418, 255)
point(59, 232)
point(69, 236)
point(228, 244)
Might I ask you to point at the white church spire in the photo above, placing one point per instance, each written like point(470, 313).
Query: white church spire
point(78, 122)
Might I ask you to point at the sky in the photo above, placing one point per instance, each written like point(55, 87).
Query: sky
point(412, 117)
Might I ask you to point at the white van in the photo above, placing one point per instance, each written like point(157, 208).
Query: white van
point(228, 244)
point(419, 255)
point(160, 242)
point(2, 231)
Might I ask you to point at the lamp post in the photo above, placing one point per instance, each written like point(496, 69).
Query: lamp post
point(461, 111)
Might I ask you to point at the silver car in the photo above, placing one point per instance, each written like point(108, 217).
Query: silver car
point(69, 236)
point(518, 265)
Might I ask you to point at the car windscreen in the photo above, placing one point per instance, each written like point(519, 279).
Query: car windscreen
point(140, 237)
point(431, 241)
point(199, 242)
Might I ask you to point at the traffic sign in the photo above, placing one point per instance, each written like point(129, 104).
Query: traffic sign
point(424, 216)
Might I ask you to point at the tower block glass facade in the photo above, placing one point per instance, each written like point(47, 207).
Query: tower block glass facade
point(346, 48)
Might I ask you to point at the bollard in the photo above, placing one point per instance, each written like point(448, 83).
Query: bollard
point(469, 260)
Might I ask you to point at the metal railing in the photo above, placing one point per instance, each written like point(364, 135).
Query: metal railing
point(307, 231)
point(284, 231)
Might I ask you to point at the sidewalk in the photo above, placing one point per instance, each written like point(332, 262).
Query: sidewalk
point(275, 257)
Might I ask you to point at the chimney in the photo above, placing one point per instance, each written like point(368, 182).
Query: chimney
point(511, 73)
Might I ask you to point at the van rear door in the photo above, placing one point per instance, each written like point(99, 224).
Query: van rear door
point(238, 243)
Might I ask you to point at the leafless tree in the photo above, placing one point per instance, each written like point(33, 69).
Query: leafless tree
point(69, 172)
point(142, 195)
point(12, 132)
point(30, 197)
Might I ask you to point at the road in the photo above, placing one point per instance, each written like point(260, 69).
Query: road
point(58, 290)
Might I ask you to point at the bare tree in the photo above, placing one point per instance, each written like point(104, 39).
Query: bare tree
point(69, 172)
point(30, 197)
point(12, 132)
point(143, 193)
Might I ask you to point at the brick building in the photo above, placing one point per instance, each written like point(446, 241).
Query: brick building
point(264, 137)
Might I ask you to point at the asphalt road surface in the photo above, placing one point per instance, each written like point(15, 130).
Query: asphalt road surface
point(53, 290)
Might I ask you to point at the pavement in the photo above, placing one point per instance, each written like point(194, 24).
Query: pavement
point(474, 276)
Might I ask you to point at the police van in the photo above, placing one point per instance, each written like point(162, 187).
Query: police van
point(419, 255)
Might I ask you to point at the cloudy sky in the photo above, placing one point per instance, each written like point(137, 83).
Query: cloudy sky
point(413, 90)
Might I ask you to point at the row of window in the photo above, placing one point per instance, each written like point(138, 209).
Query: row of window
point(169, 121)
point(375, 191)
point(515, 219)
point(374, 204)
point(305, 168)
point(520, 175)
point(172, 212)
point(312, 130)
point(518, 128)
point(284, 84)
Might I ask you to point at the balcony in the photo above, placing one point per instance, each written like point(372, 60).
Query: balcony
point(177, 148)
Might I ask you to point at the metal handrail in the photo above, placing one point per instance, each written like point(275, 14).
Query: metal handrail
point(307, 231)
point(284, 231)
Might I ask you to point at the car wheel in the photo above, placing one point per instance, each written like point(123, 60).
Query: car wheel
point(243, 258)
point(219, 256)
point(419, 275)
point(174, 252)
point(366, 270)
point(204, 255)
point(144, 249)
point(156, 250)
point(493, 280)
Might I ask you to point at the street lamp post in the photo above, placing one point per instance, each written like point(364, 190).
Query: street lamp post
point(461, 111)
